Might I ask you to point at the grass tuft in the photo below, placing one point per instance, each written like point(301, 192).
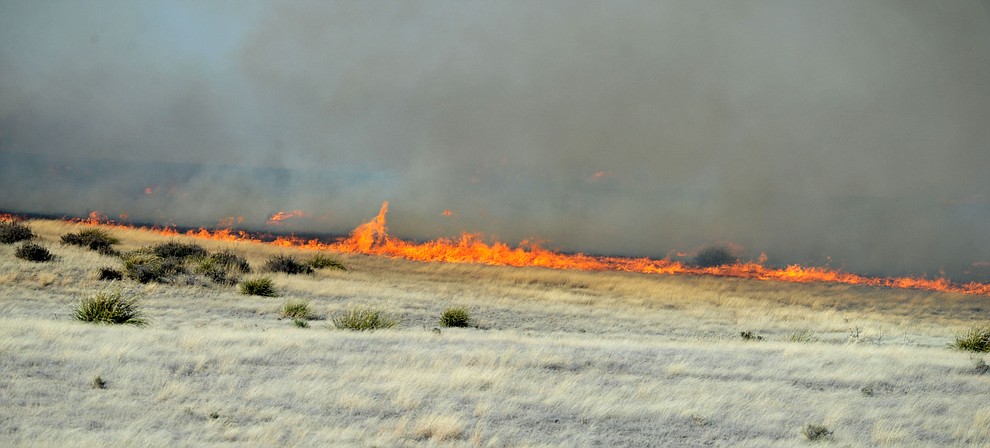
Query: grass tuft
point(95, 239)
point(455, 317)
point(363, 319)
point(297, 310)
point(259, 286)
point(801, 336)
point(33, 252)
point(110, 307)
point(323, 261)
point(976, 340)
point(287, 264)
point(12, 232)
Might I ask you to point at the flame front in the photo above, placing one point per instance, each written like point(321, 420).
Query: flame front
point(372, 238)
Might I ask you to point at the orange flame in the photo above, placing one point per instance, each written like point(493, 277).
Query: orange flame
point(277, 218)
point(372, 238)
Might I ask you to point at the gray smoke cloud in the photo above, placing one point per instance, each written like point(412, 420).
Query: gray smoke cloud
point(843, 132)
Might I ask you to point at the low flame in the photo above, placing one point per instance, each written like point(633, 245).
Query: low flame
point(372, 238)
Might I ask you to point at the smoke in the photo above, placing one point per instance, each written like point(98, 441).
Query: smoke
point(851, 133)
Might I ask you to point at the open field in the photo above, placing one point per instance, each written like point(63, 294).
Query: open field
point(556, 359)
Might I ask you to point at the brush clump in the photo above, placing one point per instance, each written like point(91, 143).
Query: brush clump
point(33, 252)
point(95, 239)
point(287, 264)
point(12, 232)
point(259, 286)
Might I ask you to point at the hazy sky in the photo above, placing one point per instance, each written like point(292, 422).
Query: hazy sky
point(851, 131)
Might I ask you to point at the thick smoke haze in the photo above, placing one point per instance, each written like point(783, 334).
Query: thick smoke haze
point(852, 133)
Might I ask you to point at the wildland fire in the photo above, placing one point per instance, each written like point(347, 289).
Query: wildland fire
point(372, 238)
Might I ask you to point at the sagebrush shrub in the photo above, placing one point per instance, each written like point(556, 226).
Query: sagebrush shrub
point(110, 307)
point(33, 252)
point(259, 286)
point(976, 340)
point(455, 317)
point(322, 261)
point(12, 232)
point(287, 264)
point(816, 433)
point(95, 239)
point(363, 319)
point(147, 267)
point(223, 267)
point(108, 273)
point(231, 260)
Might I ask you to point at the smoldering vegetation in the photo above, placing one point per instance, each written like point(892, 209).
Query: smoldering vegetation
point(844, 133)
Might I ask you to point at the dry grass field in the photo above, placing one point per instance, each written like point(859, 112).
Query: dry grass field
point(555, 359)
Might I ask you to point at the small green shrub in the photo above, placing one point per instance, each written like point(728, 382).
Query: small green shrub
point(259, 286)
point(750, 336)
point(455, 317)
point(148, 267)
point(109, 274)
point(95, 239)
point(301, 323)
point(179, 251)
point(363, 319)
point(287, 264)
point(223, 267)
point(98, 382)
point(322, 261)
point(230, 260)
point(816, 433)
point(297, 310)
point(12, 232)
point(110, 308)
point(33, 252)
point(711, 257)
point(976, 340)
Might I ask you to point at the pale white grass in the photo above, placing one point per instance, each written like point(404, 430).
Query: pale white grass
point(563, 359)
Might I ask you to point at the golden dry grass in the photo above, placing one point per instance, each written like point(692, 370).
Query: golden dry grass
point(559, 359)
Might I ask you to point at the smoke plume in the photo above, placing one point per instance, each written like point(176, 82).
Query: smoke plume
point(843, 132)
